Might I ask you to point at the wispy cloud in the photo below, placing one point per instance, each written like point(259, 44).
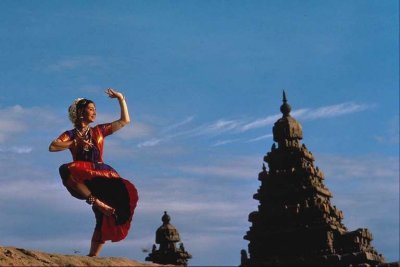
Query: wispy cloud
point(178, 124)
point(17, 119)
point(221, 171)
point(75, 63)
point(259, 123)
point(16, 150)
point(241, 167)
point(390, 135)
point(219, 127)
point(135, 130)
point(263, 137)
point(151, 142)
point(356, 168)
point(165, 134)
point(310, 114)
point(225, 142)
point(333, 110)
point(240, 126)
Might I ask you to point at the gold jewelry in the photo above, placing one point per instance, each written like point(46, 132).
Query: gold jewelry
point(84, 135)
point(90, 199)
point(84, 132)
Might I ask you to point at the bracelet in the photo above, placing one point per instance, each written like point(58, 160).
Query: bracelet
point(90, 199)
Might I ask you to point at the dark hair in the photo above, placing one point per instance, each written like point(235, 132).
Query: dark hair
point(80, 108)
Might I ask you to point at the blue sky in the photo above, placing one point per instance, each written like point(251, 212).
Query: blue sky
point(203, 81)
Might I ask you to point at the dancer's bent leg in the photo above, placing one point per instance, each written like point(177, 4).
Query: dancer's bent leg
point(81, 191)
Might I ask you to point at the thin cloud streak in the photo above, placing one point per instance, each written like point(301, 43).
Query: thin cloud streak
point(259, 123)
point(334, 111)
point(151, 142)
point(17, 150)
point(235, 126)
point(310, 114)
point(179, 124)
point(220, 126)
point(263, 137)
point(225, 142)
point(156, 141)
point(234, 170)
point(75, 63)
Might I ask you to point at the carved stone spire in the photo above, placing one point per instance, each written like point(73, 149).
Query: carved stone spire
point(165, 218)
point(287, 131)
point(166, 236)
point(296, 224)
point(285, 108)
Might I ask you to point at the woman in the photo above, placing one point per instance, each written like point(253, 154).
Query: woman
point(113, 198)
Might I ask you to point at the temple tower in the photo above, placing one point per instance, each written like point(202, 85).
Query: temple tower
point(167, 253)
point(295, 224)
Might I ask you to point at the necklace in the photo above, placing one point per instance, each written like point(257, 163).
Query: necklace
point(85, 136)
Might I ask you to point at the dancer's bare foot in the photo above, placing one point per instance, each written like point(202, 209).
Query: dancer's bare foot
point(95, 249)
point(100, 205)
point(96, 244)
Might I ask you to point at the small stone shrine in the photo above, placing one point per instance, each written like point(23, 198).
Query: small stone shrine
point(168, 253)
point(295, 224)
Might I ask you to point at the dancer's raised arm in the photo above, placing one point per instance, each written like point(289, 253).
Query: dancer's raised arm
point(124, 119)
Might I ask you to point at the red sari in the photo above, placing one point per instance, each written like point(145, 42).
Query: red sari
point(103, 182)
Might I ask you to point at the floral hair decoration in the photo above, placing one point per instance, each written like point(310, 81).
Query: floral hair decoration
point(72, 110)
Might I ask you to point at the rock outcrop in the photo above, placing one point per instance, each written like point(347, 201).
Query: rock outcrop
point(11, 256)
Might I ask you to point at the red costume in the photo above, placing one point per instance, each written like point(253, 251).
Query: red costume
point(103, 182)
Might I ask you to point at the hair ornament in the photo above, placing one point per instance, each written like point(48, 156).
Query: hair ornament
point(72, 110)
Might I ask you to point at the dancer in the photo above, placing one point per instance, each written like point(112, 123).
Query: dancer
point(113, 199)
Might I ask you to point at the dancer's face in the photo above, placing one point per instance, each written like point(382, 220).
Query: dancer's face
point(90, 113)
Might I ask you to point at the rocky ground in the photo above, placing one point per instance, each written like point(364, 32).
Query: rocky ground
point(11, 256)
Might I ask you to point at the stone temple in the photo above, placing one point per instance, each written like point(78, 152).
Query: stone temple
point(167, 253)
point(296, 224)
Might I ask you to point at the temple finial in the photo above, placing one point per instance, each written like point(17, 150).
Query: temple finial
point(165, 218)
point(285, 108)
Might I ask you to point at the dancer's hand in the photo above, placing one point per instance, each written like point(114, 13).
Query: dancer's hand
point(114, 94)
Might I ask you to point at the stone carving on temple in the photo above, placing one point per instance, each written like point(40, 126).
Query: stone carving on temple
point(167, 236)
point(296, 224)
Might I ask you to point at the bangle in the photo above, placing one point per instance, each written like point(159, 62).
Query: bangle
point(90, 199)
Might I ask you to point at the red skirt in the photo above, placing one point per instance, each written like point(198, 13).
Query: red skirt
point(105, 184)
